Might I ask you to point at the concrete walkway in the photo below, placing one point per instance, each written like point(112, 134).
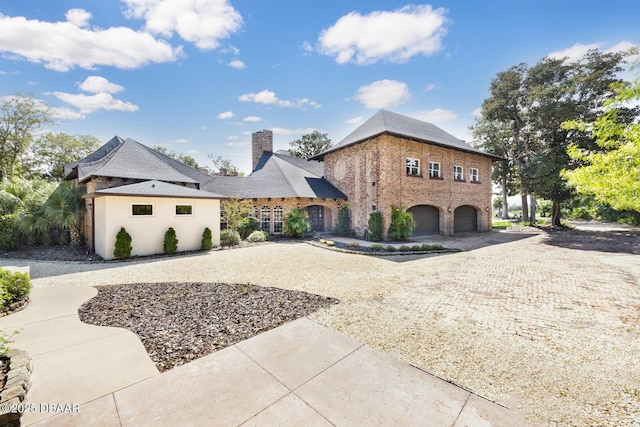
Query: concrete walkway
point(298, 374)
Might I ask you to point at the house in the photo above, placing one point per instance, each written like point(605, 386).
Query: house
point(389, 160)
point(394, 159)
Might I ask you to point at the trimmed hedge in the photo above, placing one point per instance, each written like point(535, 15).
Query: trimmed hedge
point(13, 286)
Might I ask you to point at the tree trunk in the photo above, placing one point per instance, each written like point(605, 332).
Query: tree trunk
point(505, 202)
point(532, 206)
point(525, 208)
point(555, 214)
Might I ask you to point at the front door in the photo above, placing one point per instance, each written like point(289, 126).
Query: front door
point(316, 217)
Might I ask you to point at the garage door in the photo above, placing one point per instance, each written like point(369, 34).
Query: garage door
point(465, 219)
point(427, 220)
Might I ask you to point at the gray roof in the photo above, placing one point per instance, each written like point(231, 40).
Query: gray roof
point(156, 188)
point(278, 175)
point(395, 124)
point(129, 159)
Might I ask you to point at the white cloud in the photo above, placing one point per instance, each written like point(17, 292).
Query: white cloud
point(354, 121)
point(90, 103)
point(61, 46)
point(252, 119)
point(236, 63)
point(394, 36)
point(383, 94)
point(78, 17)
point(232, 137)
point(182, 141)
point(64, 113)
point(268, 97)
point(575, 52)
point(225, 115)
point(306, 46)
point(97, 84)
point(283, 131)
point(237, 144)
point(430, 87)
point(437, 115)
point(202, 22)
point(477, 112)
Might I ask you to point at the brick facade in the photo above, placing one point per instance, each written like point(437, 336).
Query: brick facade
point(373, 175)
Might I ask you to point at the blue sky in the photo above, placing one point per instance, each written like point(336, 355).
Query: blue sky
point(199, 76)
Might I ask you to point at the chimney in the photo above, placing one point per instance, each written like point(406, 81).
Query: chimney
point(261, 142)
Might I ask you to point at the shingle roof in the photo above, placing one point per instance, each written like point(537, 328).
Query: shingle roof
point(70, 170)
point(156, 188)
point(392, 123)
point(278, 175)
point(132, 160)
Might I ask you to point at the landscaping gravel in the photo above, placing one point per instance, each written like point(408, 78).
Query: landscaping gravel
point(180, 322)
point(546, 323)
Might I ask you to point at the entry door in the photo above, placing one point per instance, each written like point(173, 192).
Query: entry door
point(316, 217)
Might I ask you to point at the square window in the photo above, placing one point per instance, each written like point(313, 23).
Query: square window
point(184, 210)
point(434, 170)
point(142, 210)
point(413, 166)
point(474, 175)
point(458, 173)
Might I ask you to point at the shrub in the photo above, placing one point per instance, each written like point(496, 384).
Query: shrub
point(390, 248)
point(323, 241)
point(344, 221)
point(427, 247)
point(207, 240)
point(296, 223)
point(416, 248)
point(375, 226)
point(8, 233)
point(5, 340)
point(404, 248)
point(15, 286)
point(170, 245)
point(248, 225)
point(402, 224)
point(258, 236)
point(353, 244)
point(377, 247)
point(229, 237)
point(123, 244)
point(330, 243)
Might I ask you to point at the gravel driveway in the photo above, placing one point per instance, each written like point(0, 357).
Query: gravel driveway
point(548, 324)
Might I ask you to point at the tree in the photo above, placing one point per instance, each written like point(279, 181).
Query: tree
point(233, 210)
point(309, 145)
point(224, 166)
point(181, 157)
point(51, 151)
point(63, 209)
point(558, 91)
point(611, 172)
point(20, 117)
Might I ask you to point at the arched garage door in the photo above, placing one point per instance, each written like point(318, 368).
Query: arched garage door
point(465, 219)
point(427, 220)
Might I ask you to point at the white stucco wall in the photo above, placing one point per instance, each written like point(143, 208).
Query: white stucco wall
point(147, 232)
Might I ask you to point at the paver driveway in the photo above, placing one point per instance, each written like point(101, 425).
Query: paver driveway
point(551, 330)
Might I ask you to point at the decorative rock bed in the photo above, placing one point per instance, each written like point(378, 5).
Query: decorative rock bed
point(15, 385)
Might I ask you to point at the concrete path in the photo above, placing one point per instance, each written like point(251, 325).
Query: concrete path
point(298, 374)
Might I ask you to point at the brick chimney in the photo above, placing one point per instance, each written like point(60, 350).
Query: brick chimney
point(261, 142)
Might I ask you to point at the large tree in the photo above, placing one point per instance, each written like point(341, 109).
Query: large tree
point(309, 145)
point(51, 151)
point(610, 172)
point(20, 117)
point(224, 166)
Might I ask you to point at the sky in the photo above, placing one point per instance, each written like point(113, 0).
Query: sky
point(199, 76)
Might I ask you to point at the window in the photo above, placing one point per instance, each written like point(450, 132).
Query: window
point(142, 210)
point(265, 219)
point(458, 173)
point(278, 216)
point(184, 210)
point(474, 175)
point(223, 219)
point(434, 170)
point(413, 166)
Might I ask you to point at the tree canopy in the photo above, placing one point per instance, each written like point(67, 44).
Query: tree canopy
point(522, 120)
point(52, 150)
point(611, 171)
point(309, 145)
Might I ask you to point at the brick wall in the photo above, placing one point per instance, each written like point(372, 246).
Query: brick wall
point(373, 175)
point(261, 141)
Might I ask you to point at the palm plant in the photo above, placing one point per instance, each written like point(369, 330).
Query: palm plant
point(62, 210)
point(26, 199)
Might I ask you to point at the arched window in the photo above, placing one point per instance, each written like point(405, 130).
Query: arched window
point(265, 219)
point(278, 216)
